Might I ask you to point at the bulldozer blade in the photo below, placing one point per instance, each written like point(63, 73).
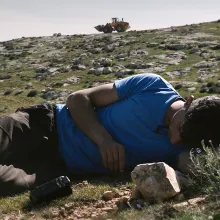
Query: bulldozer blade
point(99, 28)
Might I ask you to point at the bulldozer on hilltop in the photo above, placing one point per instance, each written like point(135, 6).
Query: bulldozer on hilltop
point(116, 25)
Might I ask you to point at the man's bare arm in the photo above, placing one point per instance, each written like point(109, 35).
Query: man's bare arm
point(81, 106)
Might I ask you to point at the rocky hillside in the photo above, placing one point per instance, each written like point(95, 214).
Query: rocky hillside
point(39, 69)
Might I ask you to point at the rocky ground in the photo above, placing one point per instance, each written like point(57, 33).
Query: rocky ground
point(47, 69)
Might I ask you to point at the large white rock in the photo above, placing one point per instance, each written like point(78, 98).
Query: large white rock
point(155, 181)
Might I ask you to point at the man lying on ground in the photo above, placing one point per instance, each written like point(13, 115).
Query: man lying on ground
point(109, 128)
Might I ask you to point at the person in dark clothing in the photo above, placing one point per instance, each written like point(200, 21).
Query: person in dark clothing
point(109, 128)
point(29, 149)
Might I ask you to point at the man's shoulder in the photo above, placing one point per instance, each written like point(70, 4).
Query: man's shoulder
point(150, 78)
point(146, 76)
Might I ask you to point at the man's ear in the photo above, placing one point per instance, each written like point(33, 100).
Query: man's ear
point(188, 102)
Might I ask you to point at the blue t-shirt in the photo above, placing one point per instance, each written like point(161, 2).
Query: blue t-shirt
point(135, 121)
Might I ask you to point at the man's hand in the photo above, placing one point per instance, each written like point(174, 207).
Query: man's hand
point(113, 155)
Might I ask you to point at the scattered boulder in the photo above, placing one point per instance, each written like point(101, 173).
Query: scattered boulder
point(99, 71)
point(51, 94)
point(124, 72)
point(8, 92)
point(153, 44)
point(32, 93)
point(207, 44)
point(205, 55)
point(92, 71)
point(191, 202)
point(178, 72)
point(28, 86)
point(173, 58)
point(56, 84)
point(53, 70)
point(205, 73)
point(105, 62)
point(175, 46)
point(72, 80)
point(19, 92)
point(5, 76)
point(78, 67)
point(121, 56)
point(205, 64)
point(178, 86)
point(216, 47)
point(107, 70)
point(210, 87)
point(195, 50)
point(100, 82)
point(192, 89)
point(77, 61)
point(139, 65)
point(109, 48)
point(141, 52)
point(98, 50)
point(218, 83)
point(41, 69)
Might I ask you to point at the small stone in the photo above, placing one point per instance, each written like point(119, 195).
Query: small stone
point(19, 92)
point(192, 89)
point(192, 202)
point(181, 205)
point(55, 214)
point(71, 218)
point(32, 93)
point(218, 83)
point(77, 214)
point(62, 212)
point(7, 92)
point(68, 206)
point(108, 195)
point(197, 200)
point(100, 205)
point(85, 183)
point(92, 71)
point(107, 209)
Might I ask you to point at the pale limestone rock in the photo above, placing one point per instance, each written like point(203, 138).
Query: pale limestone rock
point(156, 181)
point(191, 202)
point(205, 64)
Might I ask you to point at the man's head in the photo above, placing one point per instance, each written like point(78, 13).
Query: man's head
point(201, 122)
point(177, 120)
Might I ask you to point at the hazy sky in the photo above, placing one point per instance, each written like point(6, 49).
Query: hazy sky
point(44, 17)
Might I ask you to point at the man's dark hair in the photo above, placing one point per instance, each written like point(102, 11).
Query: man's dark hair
point(202, 122)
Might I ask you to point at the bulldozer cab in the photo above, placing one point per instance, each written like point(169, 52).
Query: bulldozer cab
point(115, 20)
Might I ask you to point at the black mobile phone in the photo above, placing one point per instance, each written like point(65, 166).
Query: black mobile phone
point(53, 189)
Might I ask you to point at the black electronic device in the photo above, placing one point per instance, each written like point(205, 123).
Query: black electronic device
point(53, 189)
